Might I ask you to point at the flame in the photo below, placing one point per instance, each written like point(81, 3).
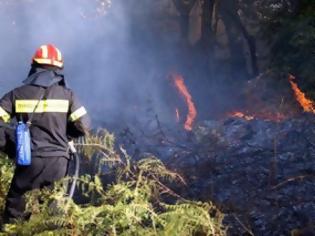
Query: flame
point(268, 110)
point(192, 112)
point(306, 104)
point(267, 116)
point(177, 115)
point(239, 114)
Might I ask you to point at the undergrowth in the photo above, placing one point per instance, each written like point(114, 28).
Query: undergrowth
point(6, 170)
point(137, 202)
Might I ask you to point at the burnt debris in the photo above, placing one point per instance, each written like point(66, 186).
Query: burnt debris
point(260, 173)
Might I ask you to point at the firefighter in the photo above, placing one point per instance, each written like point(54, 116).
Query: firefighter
point(56, 115)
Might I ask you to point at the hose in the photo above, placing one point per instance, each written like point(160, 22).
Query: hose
point(76, 174)
point(75, 177)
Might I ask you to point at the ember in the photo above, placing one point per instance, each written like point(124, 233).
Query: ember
point(262, 115)
point(306, 104)
point(239, 114)
point(192, 112)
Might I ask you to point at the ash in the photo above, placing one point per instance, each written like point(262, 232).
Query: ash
point(259, 173)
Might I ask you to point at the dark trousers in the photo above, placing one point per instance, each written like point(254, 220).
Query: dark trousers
point(42, 172)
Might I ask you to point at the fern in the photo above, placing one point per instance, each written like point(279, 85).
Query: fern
point(6, 170)
point(132, 205)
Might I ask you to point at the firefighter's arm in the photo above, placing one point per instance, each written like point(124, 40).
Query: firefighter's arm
point(78, 120)
point(7, 137)
point(6, 107)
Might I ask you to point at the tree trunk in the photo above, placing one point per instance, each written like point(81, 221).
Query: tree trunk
point(234, 17)
point(230, 17)
point(207, 37)
point(184, 8)
point(251, 45)
point(207, 12)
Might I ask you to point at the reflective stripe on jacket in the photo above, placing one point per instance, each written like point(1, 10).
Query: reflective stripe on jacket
point(57, 117)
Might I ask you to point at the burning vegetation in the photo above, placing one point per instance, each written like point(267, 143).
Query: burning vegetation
point(253, 108)
point(184, 92)
point(236, 134)
point(282, 104)
point(305, 103)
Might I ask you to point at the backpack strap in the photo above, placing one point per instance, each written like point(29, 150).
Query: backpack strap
point(42, 94)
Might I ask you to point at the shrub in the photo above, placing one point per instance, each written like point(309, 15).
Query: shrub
point(6, 170)
point(136, 203)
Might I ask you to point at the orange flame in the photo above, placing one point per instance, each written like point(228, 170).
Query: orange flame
point(192, 112)
point(306, 104)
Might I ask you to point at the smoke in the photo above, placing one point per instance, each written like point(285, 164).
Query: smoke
point(118, 60)
point(115, 65)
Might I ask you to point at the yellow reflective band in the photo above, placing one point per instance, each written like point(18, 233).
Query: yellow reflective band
point(49, 105)
point(77, 114)
point(4, 115)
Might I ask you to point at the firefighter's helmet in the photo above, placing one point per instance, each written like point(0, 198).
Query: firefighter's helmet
point(49, 55)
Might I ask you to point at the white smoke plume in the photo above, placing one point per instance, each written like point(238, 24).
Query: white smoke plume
point(117, 66)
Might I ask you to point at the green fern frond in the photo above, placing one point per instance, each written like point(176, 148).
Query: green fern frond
point(132, 205)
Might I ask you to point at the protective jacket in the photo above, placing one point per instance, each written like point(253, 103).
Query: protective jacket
point(55, 113)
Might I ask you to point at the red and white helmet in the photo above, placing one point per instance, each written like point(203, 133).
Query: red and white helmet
point(48, 54)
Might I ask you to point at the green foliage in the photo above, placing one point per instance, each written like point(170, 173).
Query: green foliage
point(136, 203)
point(6, 170)
point(290, 31)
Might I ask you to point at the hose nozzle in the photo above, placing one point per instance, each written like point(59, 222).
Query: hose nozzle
point(71, 147)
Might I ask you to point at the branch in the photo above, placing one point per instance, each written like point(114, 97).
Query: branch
point(166, 189)
point(291, 179)
point(250, 232)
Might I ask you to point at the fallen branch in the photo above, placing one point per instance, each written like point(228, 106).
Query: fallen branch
point(249, 231)
point(291, 179)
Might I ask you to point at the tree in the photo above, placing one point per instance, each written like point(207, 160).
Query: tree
point(289, 28)
point(184, 7)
